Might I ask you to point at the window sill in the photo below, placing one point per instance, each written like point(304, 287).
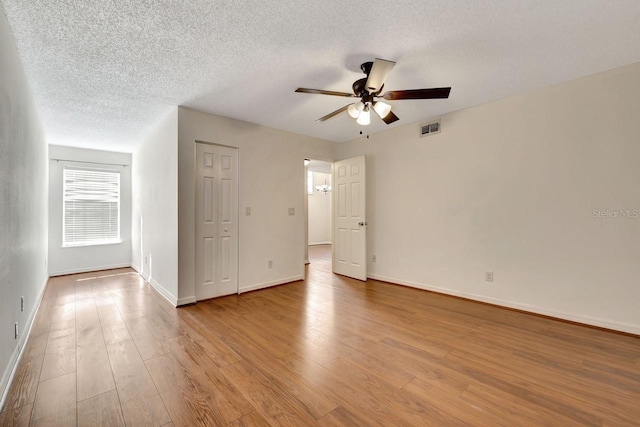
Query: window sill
point(85, 244)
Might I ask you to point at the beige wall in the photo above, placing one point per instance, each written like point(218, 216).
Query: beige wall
point(155, 207)
point(521, 187)
point(23, 205)
point(271, 181)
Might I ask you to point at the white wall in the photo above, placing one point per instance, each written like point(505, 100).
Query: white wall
point(155, 207)
point(23, 205)
point(87, 258)
point(320, 211)
point(511, 187)
point(271, 182)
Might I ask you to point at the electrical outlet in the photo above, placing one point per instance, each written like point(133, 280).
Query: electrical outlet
point(270, 263)
point(21, 303)
point(373, 258)
point(488, 276)
point(247, 211)
point(16, 331)
point(292, 211)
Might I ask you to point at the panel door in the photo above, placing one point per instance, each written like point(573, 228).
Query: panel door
point(216, 221)
point(349, 218)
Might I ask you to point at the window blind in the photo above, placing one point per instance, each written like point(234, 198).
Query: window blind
point(91, 207)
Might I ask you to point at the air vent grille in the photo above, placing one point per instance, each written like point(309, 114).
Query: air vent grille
point(430, 128)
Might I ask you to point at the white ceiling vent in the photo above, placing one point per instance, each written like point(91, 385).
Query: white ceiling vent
point(430, 128)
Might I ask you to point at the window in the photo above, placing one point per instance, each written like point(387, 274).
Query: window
point(309, 182)
point(91, 207)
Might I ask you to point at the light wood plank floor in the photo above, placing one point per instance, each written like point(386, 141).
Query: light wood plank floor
point(106, 349)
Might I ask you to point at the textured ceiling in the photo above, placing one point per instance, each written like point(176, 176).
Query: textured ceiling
point(104, 72)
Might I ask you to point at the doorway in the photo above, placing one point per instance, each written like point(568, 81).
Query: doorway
point(319, 201)
point(343, 183)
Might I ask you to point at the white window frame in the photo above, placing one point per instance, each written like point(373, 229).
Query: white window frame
point(96, 242)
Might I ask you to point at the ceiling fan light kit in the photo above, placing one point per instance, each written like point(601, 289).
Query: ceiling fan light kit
point(364, 118)
point(370, 88)
point(381, 108)
point(354, 109)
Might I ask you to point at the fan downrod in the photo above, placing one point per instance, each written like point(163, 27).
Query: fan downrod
point(366, 67)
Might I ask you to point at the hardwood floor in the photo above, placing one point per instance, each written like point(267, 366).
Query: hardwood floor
point(106, 349)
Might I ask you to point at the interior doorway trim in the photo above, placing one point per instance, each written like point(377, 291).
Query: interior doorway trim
point(198, 141)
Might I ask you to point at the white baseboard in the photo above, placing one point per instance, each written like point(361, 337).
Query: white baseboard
point(602, 323)
point(10, 371)
point(88, 269)
point(269, 284)
point(319, 243)
point(186, 300)
point(173, 300)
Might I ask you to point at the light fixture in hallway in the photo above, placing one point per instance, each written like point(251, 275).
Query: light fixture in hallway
point(324, 188)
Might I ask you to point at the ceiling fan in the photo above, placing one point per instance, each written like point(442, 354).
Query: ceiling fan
point(368, 89)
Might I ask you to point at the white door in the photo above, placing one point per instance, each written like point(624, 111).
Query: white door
point(349, 218)
point(216, 221)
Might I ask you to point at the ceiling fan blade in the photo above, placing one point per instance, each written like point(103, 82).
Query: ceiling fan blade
point(434, 93)
point(378, 74)
point(390, 118)
point(335, 113)
point(325, 92)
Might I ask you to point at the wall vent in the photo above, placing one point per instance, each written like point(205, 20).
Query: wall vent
point(430, 128)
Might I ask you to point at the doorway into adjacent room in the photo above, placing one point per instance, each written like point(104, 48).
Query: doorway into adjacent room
point(335, 215)
point(319, 199)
